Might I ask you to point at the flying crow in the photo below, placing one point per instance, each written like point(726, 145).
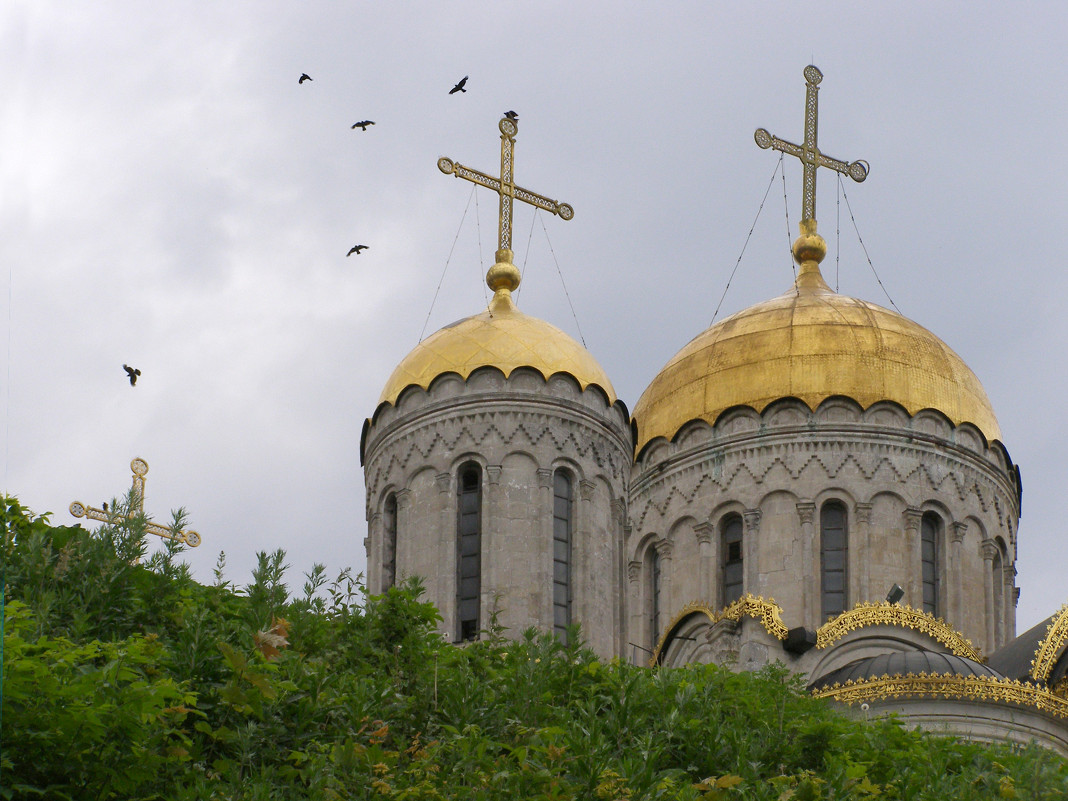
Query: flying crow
point(133, 373)
point(363, 125)
point(304, 77)
point(356, 249)
point(459, 87)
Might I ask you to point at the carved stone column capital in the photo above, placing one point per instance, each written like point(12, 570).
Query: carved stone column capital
point(443, 482)
point(545, 478)
point(376, 518)
point(752, 520)
point(989, 550)
point(404, 497)
point(634, 571)
point(806, 510)
point(586, 489)
point(862, 512)
point(619, 510)
point(493, 474)
point(957, 532)
point(704, 532)
point(913, 518)
point(665, 548)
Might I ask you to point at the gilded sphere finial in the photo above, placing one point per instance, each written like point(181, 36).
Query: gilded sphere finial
point(810, 246)
point(503, 274)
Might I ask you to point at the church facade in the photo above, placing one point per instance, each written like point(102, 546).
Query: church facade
point(815, 480)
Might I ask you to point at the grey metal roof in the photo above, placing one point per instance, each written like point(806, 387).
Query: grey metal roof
point(1014, 657)
point(901, 663)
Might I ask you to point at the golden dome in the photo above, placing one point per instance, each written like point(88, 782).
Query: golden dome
point(811, 343)
point(501, 337)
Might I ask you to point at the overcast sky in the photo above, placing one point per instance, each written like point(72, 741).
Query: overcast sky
point(173, 199)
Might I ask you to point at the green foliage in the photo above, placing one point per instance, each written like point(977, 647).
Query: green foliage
point(127, 679)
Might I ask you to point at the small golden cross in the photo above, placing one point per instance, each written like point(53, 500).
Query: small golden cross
point(506, 188)
point(808, 152)
point(139, 468)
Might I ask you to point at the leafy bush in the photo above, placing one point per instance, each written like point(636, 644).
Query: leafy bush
point(125, 678)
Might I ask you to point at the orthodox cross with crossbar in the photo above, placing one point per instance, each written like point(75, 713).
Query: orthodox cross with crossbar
point(807, 151)
point(506, 188)
point(139, 468)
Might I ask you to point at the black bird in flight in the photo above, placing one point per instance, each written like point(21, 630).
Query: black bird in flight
point(356, 249)
point(133, 373)
point(459, 87)
point(304, 77)
point(362, 125)
point(512, 116)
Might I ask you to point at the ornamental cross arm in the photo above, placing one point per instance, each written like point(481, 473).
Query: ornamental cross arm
point(139, 468)
point(505, 186)
point(808, 151)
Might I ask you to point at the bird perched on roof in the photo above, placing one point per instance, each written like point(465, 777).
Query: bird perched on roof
point(356, 249)
point(512, 116)
point(132, 372)
point(304, 77)
point(362, 125)
point(459, 87)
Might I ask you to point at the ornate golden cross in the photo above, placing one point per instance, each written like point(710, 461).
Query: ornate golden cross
point(139, 468)
point(506, 188)
point(808, 152)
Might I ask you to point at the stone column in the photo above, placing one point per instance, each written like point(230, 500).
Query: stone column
point(809, 568)
point(493, 547)
point(751, 551)
point(446, 583)
point(954, 577)
point(989, 551)
point(913, 558)
point(705, 532)
point(860, 558)
point(667, 607)
point(636, 634)
point(373, 544)
point(545, 536)
point(584, 554)
point(1009, 571)
point(403, 535)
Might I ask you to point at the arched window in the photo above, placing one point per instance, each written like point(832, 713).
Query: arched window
point(834, 553)
point(730, 534)
point(389, 543)
point(561, 554)
point(930, 542)
point(469, 552)
point(654, 595)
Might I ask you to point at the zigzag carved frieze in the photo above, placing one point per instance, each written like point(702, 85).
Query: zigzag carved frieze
point(472, 432)
point(936, 471)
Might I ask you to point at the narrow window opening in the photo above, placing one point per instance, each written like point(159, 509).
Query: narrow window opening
point(389, 546)
point(469, 556)
point(930, 530)
point(732, 569)
point(834, 553)
point(562, 530)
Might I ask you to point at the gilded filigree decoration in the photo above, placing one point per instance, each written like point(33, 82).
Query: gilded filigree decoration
point(932, 685)
point(140, 469)
point(886, 614)
point(1051, 647)
point(764, 610)
point(505, 186)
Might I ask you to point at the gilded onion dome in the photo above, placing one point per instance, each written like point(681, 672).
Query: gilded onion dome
point(811, 343)
point(501, 337)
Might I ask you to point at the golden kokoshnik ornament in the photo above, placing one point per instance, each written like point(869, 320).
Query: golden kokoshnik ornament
point(808, 151)
point(139, 468)
point(506, 188)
